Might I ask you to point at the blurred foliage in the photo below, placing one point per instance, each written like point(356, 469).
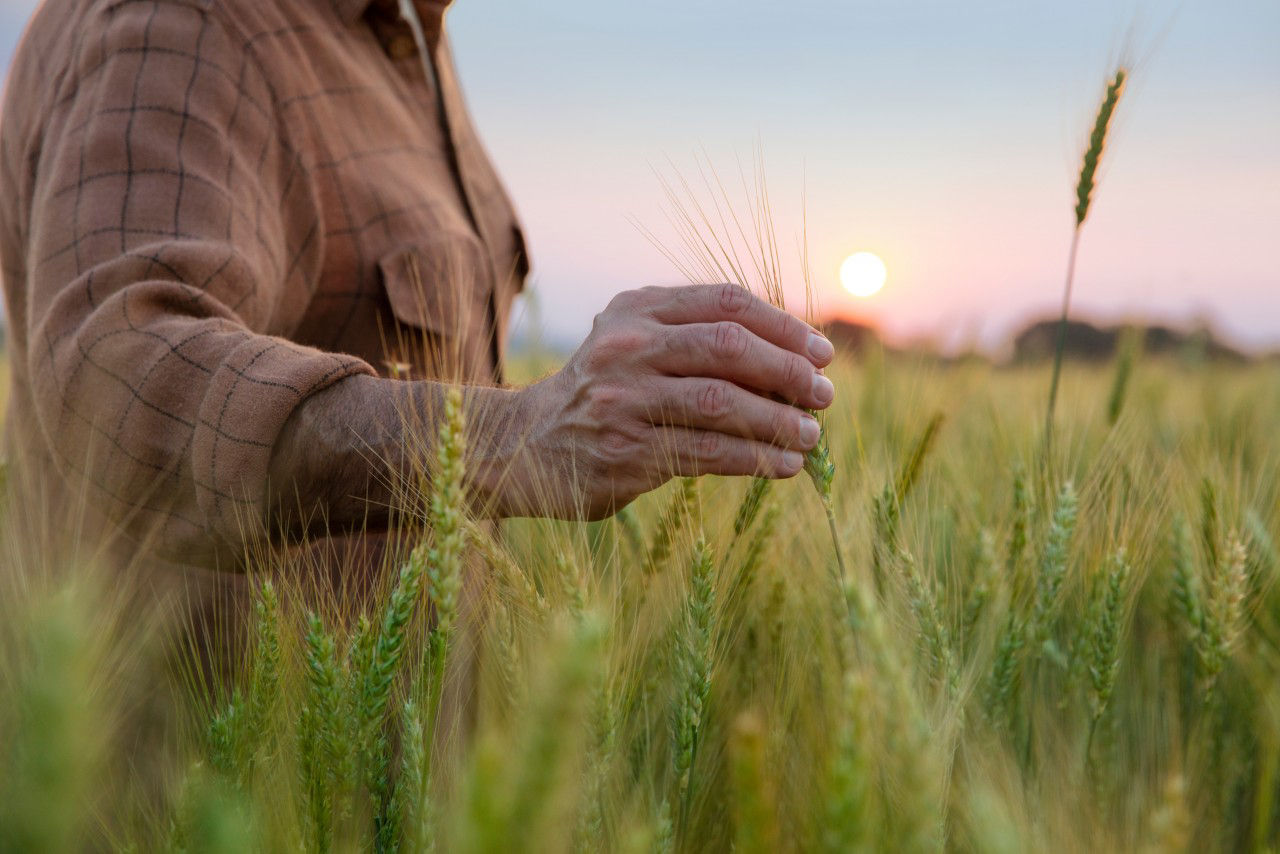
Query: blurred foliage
point(1075, 652)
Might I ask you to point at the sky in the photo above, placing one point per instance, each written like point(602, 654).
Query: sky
point(943, 136)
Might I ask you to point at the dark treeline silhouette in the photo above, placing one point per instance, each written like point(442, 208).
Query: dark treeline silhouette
point(1098, 343)
point(1084, 342)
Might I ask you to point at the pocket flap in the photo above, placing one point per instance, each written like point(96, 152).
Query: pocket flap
point(441, 285)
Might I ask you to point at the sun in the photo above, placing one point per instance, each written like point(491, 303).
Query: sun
point(863, 274)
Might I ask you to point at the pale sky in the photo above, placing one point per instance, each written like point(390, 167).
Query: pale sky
point(943, 136)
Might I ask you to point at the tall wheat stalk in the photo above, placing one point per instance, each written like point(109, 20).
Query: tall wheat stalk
point(692, 665)
point(720, 245)
point(1084, 196)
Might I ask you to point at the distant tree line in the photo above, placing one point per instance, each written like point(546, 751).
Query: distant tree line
point(1085, 341)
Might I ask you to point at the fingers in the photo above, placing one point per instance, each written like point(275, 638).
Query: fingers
point(729, 351)
point(713, 303)
point(689, 452)
point(720, 406)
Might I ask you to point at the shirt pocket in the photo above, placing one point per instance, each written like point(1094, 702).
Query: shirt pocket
point(442, 287)
point(441, 284)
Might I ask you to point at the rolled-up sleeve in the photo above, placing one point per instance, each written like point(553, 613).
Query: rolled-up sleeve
point(169, 225)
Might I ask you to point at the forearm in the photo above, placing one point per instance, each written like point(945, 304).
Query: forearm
point(679, 382)
point(353, 453)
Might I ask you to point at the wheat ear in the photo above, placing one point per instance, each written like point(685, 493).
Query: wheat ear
point(375, 695)
point(934, 634)
point(444, 562)
point(1104, 625)
point(693, 670)
point(320, 740)
point(680, 509)
point(1224, 613)
point(264, 689)
point(444, 559)
point(1084, 196)
point(412, 804)
point(749, 509)
point(241, 730)
point(1053, 565)
point(1106, 614)
point(986, 575)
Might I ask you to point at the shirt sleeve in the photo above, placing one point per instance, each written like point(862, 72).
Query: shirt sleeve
point(170, 226)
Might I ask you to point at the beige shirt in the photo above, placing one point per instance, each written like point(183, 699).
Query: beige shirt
point(213, 209)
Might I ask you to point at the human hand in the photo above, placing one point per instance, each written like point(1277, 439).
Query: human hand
point(671, 382)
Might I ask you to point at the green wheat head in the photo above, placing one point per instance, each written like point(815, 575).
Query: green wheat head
point(1097, 142)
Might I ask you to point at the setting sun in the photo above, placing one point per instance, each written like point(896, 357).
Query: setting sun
point(863, 274)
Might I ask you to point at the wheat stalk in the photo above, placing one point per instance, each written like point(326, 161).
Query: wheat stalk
point(591, 820)
point(678, 511)
point(980, 594)
point(749, 509)
point(444, 560)
point(1053, 565)
point(1185, 590)
point(448, 517)
point(321, 745)
point(543, 757)
point(412, 805)
point(664, 830)
point(923, 600)
point(720, 246)
point(264, 688)
point(1104, 626)
point(1128, 351)
point(692, 665)
point(1209, 522)
point(754, 807)
point(1084, 197)
point(848, 812)
point(1006, 672)
point(740, 589)
point(244, 728)
point(1105, 615)
point(375, 693)
point(1224, 613)
point(50, 753)
point(886, 508)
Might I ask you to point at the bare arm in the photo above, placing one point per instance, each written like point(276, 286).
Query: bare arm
point(671, 381)
point(346, 456)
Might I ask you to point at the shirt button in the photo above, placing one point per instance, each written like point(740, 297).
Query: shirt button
point(402, 47)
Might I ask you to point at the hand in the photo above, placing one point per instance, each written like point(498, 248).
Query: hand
point(671, 382)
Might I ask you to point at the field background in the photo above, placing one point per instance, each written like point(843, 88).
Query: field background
point(979, 634)
point(1064, 651)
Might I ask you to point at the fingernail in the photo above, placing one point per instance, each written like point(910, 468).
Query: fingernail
point(809, 431)
point(820, 348)
point(823, 391)
point(792, 461)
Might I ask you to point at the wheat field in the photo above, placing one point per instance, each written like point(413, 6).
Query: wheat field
point(979, 623)
point(1065, 650)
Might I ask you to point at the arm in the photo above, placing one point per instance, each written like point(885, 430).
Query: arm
point(167, 243)
point(163, 249)
point(659, 389)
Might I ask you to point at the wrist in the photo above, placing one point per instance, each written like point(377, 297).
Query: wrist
point(492, 444)
point(512, 453)
point(323, 473)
